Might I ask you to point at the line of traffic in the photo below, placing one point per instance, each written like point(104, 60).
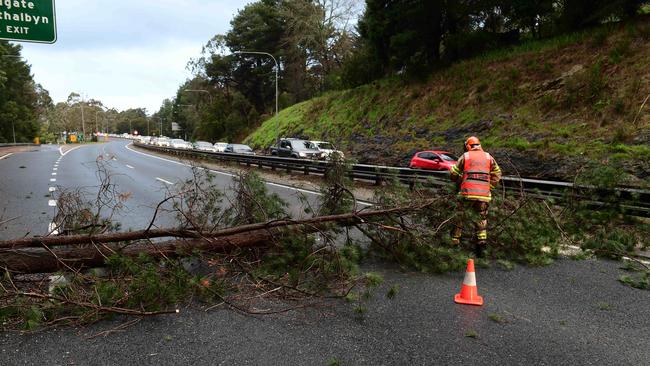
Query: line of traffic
point(232, 175)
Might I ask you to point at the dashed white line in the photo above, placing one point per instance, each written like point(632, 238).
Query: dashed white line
point(232, 175)
point(128, 166)
point(52, 229)
point(54, 173)
point(6, 156)
point(165, 181)
point(51, 203)
point(52, 179)
point(55, 169)
point(52, 189)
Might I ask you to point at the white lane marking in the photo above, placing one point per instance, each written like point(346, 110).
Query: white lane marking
point(52, 189)
point(52, 179)
point(232, 175)
point(311, 192)
point(128, 166)
point(51, 203)
point(6, 156)
point(165, 181)
point(55, 169)
point(64, 153)
point(52, 229)
point(53, 173)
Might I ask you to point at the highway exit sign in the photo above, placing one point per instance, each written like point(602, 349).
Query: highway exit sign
point(28, 21)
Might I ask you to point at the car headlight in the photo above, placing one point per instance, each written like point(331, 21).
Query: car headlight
point(302, 154)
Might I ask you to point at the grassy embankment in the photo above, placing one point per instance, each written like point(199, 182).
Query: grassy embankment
point(551, 106)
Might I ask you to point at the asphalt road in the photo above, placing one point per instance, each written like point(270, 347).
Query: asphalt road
point(568, 313)
point(26, 179)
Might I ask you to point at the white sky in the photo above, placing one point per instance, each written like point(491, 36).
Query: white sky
point(126, 53)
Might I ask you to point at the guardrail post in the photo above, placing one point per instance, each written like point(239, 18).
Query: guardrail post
point(306, 169)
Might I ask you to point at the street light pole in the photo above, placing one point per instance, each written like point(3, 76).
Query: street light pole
point(277, 121)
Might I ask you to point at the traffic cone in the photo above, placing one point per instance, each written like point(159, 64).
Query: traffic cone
point(469, 292)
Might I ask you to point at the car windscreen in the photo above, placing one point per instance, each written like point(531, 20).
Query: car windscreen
point(325, 145)
point(448, 157)
point(241, 148)
point(302, 145)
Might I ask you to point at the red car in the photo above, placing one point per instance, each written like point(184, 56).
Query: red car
point(433, 159)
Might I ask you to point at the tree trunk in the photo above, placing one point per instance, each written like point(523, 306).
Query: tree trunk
point(40, 260)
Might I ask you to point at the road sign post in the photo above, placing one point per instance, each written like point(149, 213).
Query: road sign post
point(28, 21)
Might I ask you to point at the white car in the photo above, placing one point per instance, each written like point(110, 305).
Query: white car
point(327, 149)
point(163, 142)
point(220, 146)
point(180, 144)
point(204, 146)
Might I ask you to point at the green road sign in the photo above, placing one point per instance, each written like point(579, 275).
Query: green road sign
point(28, 21)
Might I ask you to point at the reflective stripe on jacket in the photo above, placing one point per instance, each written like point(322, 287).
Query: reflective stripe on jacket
point(476, 175)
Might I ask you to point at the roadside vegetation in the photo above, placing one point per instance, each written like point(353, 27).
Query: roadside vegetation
point(555, 107)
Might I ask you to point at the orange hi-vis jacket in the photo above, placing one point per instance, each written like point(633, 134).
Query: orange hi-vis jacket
point(479, 173)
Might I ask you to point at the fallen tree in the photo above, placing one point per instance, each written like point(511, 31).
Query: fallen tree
point(54, 253)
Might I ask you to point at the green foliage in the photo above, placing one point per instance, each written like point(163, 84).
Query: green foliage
point(471, 333)
point(252, 202)
point(22, 101)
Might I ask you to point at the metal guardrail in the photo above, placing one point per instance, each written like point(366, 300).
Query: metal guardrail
point(632, 200)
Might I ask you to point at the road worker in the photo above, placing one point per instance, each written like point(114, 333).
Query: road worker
point(475, 173)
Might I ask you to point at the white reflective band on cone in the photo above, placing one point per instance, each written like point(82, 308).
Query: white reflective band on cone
point(470, 279)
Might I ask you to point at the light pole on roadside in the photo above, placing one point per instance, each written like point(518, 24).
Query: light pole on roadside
point(161, 124)
point(277, 67)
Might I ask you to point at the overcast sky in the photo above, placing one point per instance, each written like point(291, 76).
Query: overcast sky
point(126, 53)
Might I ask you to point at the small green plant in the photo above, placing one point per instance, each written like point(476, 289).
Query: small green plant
point(497, 318)
point(604, 306)
point(392, 292)
point(471, 333)
point(618, 53)
point(333, 362)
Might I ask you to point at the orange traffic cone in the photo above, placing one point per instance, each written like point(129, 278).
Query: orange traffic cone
point(469, 292)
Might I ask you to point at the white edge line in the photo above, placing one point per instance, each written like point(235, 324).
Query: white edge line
point(232, 175)
point(52, 179)
point(51, 203)
point(165, 181)
point(6, 156)
point(128, 166)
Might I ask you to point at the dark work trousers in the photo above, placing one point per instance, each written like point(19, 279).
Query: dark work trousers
point(475, 212)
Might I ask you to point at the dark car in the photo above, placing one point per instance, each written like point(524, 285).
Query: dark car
point(239, 149)
point(297, 148)
point(433, 159)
